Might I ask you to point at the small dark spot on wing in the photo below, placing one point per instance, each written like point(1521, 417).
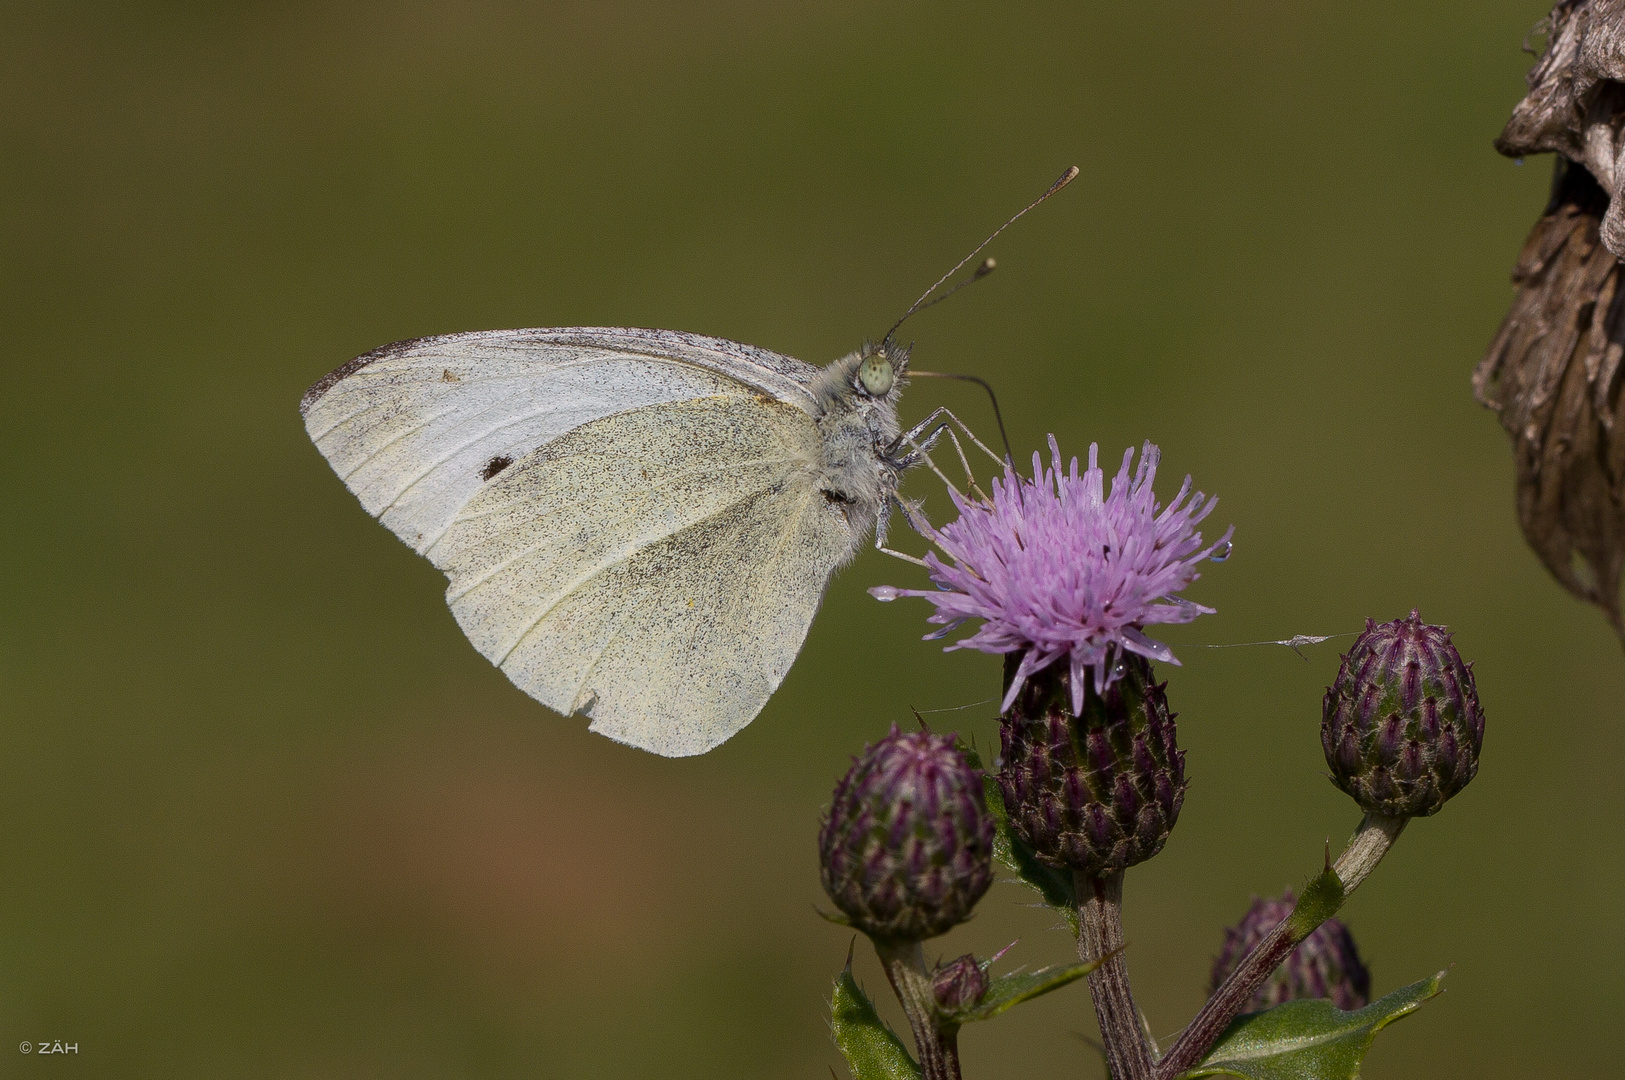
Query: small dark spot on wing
point(447, 376)
point(495, 465)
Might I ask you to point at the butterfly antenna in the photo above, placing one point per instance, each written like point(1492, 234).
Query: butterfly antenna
point(983, 269)
point(997, 416)
point(986, 267)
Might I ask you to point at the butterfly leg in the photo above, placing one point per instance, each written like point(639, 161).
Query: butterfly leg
point(921, 454)
point(920, 439)
point(912, 434)
point(921, 451)
point(911, 512)
point(913, 516)
point(964, 462)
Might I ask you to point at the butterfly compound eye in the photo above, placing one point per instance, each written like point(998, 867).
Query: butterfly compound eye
point(875, 375)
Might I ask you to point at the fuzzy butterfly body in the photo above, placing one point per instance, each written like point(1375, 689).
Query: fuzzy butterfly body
point(637, 525)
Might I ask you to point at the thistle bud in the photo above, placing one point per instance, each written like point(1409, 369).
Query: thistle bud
point(1402, 726)
point(959, 984)
point(1099, 791)
point(907, 848)
point(1324, 965)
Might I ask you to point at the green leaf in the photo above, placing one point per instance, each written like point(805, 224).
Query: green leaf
point(1308, 1040)
point(1010, 990)
point(1055, 886)
point(871, 1048)
point(1319, 901)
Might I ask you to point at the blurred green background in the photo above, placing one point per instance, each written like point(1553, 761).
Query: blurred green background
point(265, 813)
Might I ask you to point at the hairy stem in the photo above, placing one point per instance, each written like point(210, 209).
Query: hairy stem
point(950, 1050)
point(904, 962)
point(1370, 842)
point(1100, 905)
point(1366, 848)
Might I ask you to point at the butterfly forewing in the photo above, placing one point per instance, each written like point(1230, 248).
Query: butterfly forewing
point(416, 428)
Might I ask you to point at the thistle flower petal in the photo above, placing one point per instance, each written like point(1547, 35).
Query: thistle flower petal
point(1058, 566)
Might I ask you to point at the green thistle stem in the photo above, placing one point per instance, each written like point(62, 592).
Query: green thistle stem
point(1366, 848)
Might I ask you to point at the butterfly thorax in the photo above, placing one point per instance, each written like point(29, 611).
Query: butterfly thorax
point(858, 428)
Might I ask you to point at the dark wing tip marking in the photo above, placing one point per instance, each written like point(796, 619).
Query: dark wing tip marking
point(344, 371)
point(495, 465)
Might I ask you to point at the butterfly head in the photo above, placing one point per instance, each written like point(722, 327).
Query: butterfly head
point(879, 369)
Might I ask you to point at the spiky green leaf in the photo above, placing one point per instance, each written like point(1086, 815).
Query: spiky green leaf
point(1309, 1039)
point(1009, 990)
point(871, 1048)
point(1318, 902)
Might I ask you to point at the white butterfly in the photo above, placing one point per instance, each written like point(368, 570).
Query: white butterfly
point(637, 525)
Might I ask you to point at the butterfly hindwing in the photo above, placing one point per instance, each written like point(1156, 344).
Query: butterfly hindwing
point(657, 568)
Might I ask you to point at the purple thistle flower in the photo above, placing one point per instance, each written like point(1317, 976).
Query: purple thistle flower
point(1054, 567)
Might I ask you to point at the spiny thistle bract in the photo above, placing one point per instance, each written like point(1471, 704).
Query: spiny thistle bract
point(1324, 965)
point(1402, 727)
point(1096, 792)
point(907, 848)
